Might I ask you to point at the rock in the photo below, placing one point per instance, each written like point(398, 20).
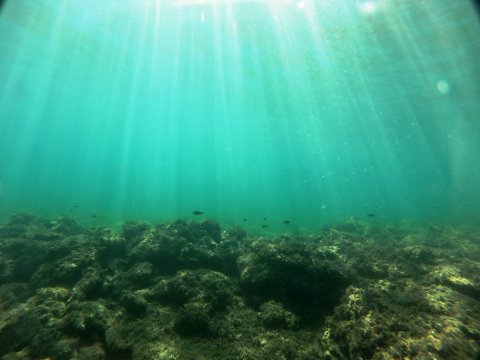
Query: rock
point(274, 316)
point(25, 325)
point(452, 277)
point(13, 294)
point(22, 257)
point(193, 320)
point(160, 249)
point(210, 287)
point(88, 319)
point(67, 270)
point(139, 276)
point(17, 225)
point(111, 245)
point(133, 232)
point(90, 286)
point(237, 233)
point(187, 290)
point(92, 352)
point(294, 274)
point(205, 228)
point(64, 349)
point(158, 350)
point(67, 226)
point(135, 304)
point(7, 266)
point(118, 342)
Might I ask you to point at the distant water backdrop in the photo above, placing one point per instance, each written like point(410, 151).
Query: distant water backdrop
point(251, 112)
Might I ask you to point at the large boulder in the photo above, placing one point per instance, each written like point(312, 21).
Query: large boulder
point(295, 274)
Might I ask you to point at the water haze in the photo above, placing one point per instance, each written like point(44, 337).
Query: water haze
point(252, 112)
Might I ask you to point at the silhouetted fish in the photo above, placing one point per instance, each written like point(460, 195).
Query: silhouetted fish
point(264, 226)
point(264, 218)
point(286, 222)
point(371, 215)
point(196, 212)
point(94, 216)
point(244, 219)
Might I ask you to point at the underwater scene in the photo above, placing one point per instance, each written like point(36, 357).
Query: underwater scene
point(239, 179)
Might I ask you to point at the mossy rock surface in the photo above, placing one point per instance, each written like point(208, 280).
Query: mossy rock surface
point(295, 274)
point(187, 290)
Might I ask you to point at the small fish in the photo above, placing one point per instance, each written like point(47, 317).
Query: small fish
point(371, 215)
point(264, 218)
point(196, 212)
point(286, 222)
point(264, 226)
point(244, 219)
point(94, 216)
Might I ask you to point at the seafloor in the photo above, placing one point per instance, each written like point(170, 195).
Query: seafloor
point(187, 290)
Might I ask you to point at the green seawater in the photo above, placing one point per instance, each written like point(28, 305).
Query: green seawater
point(311, 111)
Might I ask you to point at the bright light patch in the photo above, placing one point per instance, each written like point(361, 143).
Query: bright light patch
point(215, 2)
point(443, 87)
point(272, 4)
point(367, 7)
point(300, 5)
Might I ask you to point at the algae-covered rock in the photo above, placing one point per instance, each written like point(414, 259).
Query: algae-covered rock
point(12, 294)
point(67, 270)
point(111, 244)
point(158, 350)
point(90, 286)
point(135, 304)
point(118, 341)
point(94, 351)
point(237, 233)
point(160, 249)
point(140, 274)
point(193, 319)
point(67, 226)
point(273, 315)
point(182, 245)
point(7, 266)
point(212, 288)
point(377, 322)
point(465, 282)
point(198, 296)
point(64, 349)
point(133, 232)
point(294, 274)
point(186, 290)
point(88, 319)
point(17, 225)
point(26, 324)
point(22, 257)
point(192, 231)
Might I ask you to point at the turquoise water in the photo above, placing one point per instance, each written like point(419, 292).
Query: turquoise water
point(307, 111)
